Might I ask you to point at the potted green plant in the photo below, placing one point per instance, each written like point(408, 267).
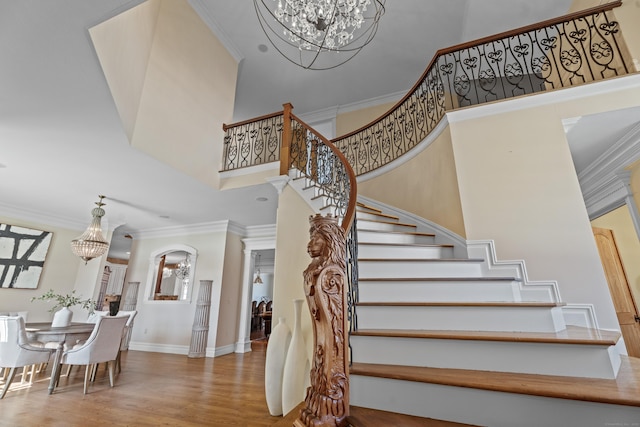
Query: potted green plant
point(62, 315)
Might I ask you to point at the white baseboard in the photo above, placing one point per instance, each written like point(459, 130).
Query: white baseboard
point(159, 348)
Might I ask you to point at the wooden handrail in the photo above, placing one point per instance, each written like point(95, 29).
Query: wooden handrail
point(226, 127)
point(353, 190)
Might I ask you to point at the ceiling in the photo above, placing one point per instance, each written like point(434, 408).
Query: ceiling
point(62, 143)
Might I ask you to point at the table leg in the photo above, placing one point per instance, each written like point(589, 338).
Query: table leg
point(55, 370)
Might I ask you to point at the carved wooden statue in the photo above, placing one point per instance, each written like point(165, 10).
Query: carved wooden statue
point(327, 400)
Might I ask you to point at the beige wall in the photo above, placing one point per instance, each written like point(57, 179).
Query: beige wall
point(231, 292)
point(518, 187)
point(353, 120)
point(291, 259)
point(426, 186)
point(59, 273)
point(182, 87)
point(619, 221)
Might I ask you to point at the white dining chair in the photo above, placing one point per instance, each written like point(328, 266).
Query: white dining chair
point(15, 350)
point(102, 346)
point(126, 335)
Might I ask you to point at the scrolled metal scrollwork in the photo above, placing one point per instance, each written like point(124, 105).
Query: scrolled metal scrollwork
point(564, 53)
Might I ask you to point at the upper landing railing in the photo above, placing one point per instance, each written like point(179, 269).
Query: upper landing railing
point(567, 51)
point(562, 52)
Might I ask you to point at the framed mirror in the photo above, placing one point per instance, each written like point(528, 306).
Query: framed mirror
point(171, 273)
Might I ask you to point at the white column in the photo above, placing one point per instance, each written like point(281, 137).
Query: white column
point(243, 345)
point(200, 330)
point(130, 299)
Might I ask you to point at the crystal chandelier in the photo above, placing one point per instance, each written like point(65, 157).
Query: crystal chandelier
point(182, 270)
point(91, 243)
point(319, 34)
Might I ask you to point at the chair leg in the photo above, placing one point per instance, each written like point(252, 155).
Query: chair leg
point(110, 366)
point(12, 374)
point(86, 378)
point(94, 371)
point(118, 367)
point(68, 370)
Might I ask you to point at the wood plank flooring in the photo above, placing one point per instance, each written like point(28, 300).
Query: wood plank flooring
point(154, 389)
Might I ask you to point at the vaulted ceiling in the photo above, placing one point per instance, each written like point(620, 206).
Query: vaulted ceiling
point(62, 142)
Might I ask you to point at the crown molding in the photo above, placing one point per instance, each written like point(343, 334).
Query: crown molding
point(39, 217)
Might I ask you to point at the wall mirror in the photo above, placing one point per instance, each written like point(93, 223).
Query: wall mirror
point(171, 273)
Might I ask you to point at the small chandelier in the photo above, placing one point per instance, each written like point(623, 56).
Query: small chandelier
point(182, 270)
point(319, 34)
point(91, 243)
point(258, 279)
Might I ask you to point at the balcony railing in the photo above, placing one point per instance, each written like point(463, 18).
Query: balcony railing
point(567, 51)
point(252, 142)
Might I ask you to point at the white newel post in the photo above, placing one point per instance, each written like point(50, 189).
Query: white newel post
point(200, 330)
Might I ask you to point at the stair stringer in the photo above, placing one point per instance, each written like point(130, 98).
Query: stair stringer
point(574, 314)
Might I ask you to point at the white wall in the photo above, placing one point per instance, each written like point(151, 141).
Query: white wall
point(165, 326)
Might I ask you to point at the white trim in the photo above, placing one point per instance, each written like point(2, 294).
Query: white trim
point(631, 81)
point(41, 218)
point(219, 351)
point(260, 231)
point(251, 245)
point(183, 230)
point(154, 261)
point(443, 235)
point(159, 348)
point(250, 170)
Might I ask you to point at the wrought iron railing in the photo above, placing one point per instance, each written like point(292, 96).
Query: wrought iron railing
point(252, 142)
point(567, 51)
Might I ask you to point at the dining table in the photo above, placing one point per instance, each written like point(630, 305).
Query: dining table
point(65, 335)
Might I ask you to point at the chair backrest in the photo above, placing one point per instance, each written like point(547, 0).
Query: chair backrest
point(130, 314)
point(103, 344)
point(93, 317)
point(261, 306)
point(14, 348)
point(126, 334)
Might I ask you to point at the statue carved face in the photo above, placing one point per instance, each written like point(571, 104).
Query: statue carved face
point(316, 245)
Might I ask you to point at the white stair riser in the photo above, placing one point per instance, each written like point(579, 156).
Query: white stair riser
point(484, 407)
point(414, 269)
point(474, 318)
point(365, 236)
point(433, 291)
point(385, 226)
point(407, 252)
point(529, 358)
point(372, 216)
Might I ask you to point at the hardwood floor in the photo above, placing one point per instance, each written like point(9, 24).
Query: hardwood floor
point(154, 389)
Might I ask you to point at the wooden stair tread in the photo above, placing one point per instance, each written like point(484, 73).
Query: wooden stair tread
point(529, 304)
point(571, 335)
point(402, 224)
point(365, 206)
point(367, 417)
point(412, 233)
point(413, 245)
point(439, 279)
point(624, 390)
point(380, 214)
point(421, 259)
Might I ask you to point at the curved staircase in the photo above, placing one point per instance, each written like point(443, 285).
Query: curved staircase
point(448, 338)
